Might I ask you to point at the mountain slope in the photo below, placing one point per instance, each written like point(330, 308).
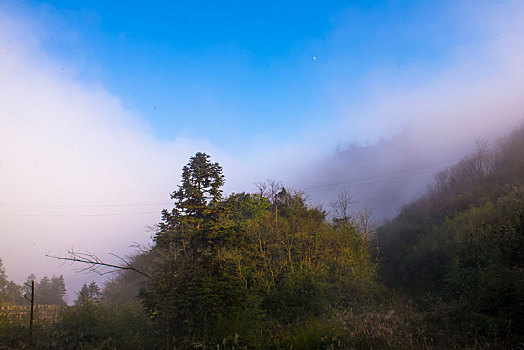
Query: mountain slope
point(464, 239)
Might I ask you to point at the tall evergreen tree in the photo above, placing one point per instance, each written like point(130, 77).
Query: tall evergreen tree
point(58, 290)
point(13, 294)
point(50, 291)
point(88, 294)
point(197, 197)
point(193, 287)
point(201, 183)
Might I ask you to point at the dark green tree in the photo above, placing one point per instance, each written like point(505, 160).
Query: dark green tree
point(196, 199)
point(88, 294)
point(3, 282)
point(201, 183)
point(43, 291)
point(58, 290)
point(50, 291)
point(13, 294)
point(193, 284)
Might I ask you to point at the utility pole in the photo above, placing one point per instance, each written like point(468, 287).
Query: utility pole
point(32, 300)
point(276, 212)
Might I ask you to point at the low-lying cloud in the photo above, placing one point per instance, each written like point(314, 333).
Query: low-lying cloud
point(77, 170)
point(416, 122)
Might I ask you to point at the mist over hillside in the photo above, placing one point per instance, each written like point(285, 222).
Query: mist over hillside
point(389, 174)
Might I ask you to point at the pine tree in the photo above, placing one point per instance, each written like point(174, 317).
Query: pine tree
point(193, 287)
point(88, 294)
point(58, 290)
point(50, 291)
point(196, 200)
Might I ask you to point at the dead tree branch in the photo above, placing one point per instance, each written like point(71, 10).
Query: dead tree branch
point(96, 265)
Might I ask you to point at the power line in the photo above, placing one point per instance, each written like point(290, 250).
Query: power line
point(397, 175)
point(80, 215)
point(406, 173)
point(371, 182)
point(84, 205)
point(385, 174)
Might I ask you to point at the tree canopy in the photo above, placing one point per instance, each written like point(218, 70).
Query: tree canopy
point(217, 261)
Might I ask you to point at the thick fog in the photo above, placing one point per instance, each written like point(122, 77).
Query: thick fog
point(418, 121)
point(78, 170)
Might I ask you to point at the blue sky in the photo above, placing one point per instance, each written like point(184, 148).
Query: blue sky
point(237, 71)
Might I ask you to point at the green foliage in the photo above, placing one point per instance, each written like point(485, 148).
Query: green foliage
point(247, 327)
point(88, 294)
point(13, 331)
point(218, 261)
point(97, 326)
point(464, 241)
point(13, 294)
point(486, 280)
point(194, 285)
point(10, 292)
point(246, 208)
point(3, 277)
point(86, 326)
point(296, 296)
point(50, 291)
point(311, 334)
point(201, 183)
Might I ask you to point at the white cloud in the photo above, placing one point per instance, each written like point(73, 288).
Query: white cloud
point(70, 152)
point(428, 116)
point(475, 92)
point(67, 149)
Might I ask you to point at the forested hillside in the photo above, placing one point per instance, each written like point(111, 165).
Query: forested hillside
point(464, 240)
point(267, 270)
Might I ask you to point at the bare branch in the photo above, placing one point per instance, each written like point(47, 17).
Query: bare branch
point(96, 265)
point(122, 259)
point(341, 208)
point(269, 188)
